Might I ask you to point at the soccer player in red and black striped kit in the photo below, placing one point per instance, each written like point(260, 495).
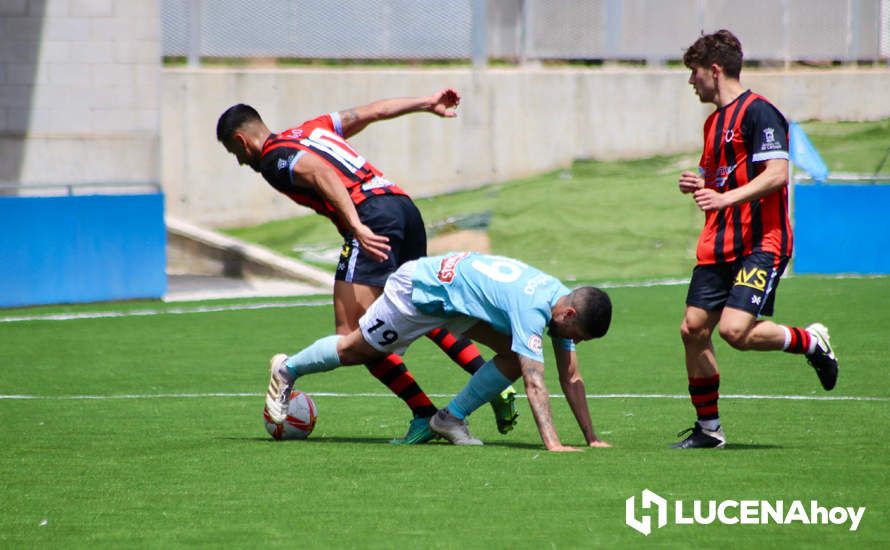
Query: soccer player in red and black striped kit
point(746, 242)
point(313, 165)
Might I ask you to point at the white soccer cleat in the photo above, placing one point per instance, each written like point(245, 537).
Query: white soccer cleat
point(823, 358)
point(280, 385)
point(452, 429)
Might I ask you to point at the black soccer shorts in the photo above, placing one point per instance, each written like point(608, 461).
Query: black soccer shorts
point(748, 283)
point(396, 217)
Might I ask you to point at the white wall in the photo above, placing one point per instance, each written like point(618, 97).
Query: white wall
point(79, 91)
point(512, 123)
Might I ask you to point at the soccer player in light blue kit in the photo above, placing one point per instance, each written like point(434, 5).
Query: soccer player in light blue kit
point(500, 302)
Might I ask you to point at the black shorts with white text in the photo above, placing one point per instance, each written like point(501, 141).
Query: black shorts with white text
point(396, 217)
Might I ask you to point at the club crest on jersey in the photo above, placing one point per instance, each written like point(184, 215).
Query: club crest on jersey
point(295, 133)
point(448, 266)
point(769, 140)
point(535, 344)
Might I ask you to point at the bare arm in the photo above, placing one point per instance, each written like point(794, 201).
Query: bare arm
point(313, 173)
point(773, 177)
point(573, 387)
point(539, 401)
point(442, 103)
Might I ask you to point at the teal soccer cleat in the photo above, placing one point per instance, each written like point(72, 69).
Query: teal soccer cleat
point(419, 432)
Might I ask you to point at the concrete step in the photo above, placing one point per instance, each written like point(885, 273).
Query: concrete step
point(195, 250)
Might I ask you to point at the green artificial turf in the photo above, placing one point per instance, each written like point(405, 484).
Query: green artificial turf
point(146, 431)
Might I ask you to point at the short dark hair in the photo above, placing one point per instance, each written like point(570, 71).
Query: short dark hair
point(594, 310)
point(721, 47)
point(233, 118)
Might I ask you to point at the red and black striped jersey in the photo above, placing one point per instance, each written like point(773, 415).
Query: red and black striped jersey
point(323, 137)
point(739, 137)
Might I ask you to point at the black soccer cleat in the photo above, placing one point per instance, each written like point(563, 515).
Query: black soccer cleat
point(823, 358)
point(700, 438)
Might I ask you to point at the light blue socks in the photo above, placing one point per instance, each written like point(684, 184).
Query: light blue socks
point(319, 357)
point(482, 388)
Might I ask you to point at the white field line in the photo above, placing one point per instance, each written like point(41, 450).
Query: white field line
point(235, 307)
point(169, 311)
point(313, 303)
point(437, 395)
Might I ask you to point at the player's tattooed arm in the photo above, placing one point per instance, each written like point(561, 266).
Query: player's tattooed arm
point(442, 103)
point(352, 121)
point(348, 117)
point(539, 401)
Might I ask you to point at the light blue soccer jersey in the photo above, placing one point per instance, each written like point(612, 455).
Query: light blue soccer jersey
point(512, 297)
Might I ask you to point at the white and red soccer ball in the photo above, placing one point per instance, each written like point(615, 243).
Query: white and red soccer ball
point(300, 420)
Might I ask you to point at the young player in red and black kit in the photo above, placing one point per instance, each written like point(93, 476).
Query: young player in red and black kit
point(746, 242)
point(382, 229)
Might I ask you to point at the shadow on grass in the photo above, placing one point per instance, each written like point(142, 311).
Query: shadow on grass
point(435, 443)
point(749, 447)
point(311, 440)
point(327, 440)
point(516, 445)
point(333, 440)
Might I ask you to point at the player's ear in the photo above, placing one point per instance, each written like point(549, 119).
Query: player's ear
point(570, 313)
point(240, 139)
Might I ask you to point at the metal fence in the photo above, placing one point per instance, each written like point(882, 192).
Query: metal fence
point(885, 29)
point(361, 29)
point(649, 30)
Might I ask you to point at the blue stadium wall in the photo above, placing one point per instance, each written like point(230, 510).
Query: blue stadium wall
point(91, 248)
point(842, 228)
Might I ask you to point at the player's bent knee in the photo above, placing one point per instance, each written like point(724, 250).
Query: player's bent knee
point(508, 364)
point(735, 336)
point(354, 350)
point(693, 334)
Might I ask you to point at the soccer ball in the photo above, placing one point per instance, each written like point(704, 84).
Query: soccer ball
point(300, 420)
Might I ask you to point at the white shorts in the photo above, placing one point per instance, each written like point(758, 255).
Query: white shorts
point(392, 322)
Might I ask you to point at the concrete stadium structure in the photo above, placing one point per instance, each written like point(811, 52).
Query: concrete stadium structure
point(512, 123)
point(84, 99)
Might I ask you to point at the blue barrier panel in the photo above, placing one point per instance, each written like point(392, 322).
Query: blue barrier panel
point(842, 229)
point(89, 248)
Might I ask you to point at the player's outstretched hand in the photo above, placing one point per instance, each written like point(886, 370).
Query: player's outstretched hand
point(445, 102)
point(374, 245)
point(599, 444)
